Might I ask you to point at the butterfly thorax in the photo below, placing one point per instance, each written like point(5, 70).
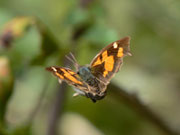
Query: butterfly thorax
point(86, 75)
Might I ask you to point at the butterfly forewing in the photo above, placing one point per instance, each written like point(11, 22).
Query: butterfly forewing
point(66, 74)
point(109, 60)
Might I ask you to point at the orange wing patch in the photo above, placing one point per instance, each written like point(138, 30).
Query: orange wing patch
point(109, 62)
point(72, 73)
point(120, 52)
point(98, 61)
point(105, 73)
point(70, 77)
point(109, 65)
point(104, 56)
point(60, 76)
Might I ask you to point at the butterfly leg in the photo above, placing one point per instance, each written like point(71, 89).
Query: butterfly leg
point(60, 81)
point(75, 94)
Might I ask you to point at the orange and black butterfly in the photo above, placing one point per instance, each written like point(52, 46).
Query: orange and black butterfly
point(92, 80)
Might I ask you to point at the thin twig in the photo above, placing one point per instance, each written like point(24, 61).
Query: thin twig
point(134, 101)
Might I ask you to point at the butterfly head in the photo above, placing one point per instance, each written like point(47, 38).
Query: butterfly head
point(95, 97)
point(84, 72)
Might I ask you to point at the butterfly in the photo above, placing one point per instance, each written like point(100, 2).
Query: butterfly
point(92, 80)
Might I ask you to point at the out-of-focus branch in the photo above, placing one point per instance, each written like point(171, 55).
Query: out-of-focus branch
point(132, 100)
point(56, 110)
point(85, 3)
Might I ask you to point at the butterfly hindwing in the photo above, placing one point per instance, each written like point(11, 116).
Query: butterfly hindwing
point(108, 61)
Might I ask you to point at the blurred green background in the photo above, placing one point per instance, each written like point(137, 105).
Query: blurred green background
point(39, 33)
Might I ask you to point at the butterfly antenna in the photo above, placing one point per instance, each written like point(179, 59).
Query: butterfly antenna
point(73, 60)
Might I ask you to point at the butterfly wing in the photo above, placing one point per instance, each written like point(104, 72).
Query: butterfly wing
point(108, 61)
point(69, 76)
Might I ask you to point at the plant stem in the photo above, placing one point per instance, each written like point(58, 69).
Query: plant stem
point(132, 100)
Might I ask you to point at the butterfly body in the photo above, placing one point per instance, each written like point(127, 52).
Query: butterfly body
point(85, 73)
point(92, 80)
point(95, 89)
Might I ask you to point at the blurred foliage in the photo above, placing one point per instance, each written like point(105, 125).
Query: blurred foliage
point(36, 34)
point(14, 29)
point(6, 85)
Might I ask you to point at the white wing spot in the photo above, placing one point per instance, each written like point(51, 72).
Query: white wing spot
point(115, 45)
point(53, 68)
